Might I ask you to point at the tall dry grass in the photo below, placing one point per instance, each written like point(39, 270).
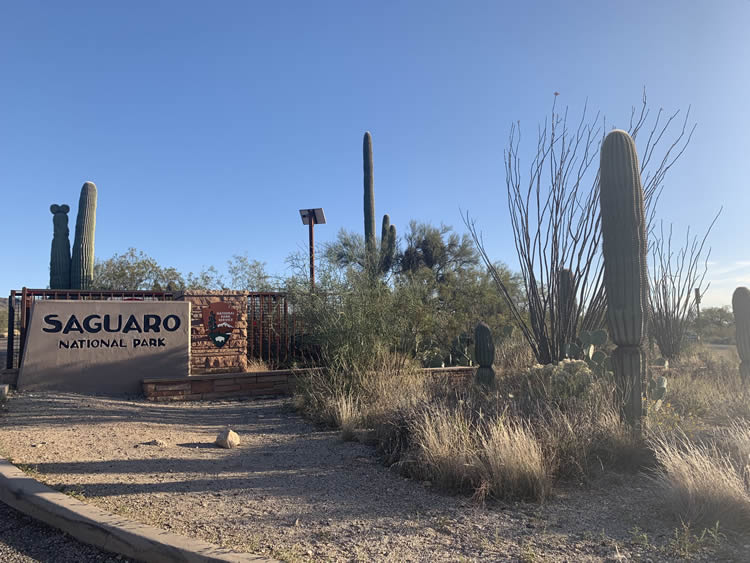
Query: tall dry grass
point(512, 441)
point(702, 484)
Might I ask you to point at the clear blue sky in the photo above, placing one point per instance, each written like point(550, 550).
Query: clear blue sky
point(207, 125)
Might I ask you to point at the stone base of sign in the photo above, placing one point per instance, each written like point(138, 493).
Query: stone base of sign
point(219, 386)
point(255, 384)
point(205, 356)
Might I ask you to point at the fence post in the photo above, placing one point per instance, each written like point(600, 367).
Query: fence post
point(24, 315)
point(11, 329)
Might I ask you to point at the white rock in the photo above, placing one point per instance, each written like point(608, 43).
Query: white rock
point(227, 439)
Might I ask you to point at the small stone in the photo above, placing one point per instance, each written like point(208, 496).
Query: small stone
point(4, 389)
point(227, 439)
point(160, 443)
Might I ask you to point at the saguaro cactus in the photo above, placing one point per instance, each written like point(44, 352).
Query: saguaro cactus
point(484, 352)
point(82, 261)
point(741, 308)
point(379, 264)
point(624, 247)
point(59, 262)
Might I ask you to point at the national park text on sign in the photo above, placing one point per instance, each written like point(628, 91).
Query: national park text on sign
point(104, 346)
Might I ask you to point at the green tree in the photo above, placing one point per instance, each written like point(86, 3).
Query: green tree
point(439, 249)
point(208, 278)
point(440, 270)
point(716, 325)
point(134, 270)
point(249, 275)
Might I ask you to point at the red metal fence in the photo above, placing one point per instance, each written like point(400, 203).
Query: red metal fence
point(273, 332)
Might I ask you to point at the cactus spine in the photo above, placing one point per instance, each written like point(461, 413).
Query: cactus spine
point(624, 247)
point(741, 309)
point(377, 264)
point(59, 262)
point(484, 352)
point(82, 261)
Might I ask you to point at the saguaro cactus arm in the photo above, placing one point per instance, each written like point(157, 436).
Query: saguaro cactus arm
point(59, 263)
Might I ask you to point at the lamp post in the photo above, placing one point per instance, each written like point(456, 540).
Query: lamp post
point(312, 217)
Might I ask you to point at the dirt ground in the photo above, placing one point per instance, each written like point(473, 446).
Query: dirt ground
point(296, 492)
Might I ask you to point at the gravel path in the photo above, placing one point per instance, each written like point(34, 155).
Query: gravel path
point(298, 493)
point(24, 540)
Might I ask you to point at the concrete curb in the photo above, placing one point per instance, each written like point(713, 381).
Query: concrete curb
point(94, 526)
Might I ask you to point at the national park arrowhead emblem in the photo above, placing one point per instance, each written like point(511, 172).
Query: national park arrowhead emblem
point(219, 319)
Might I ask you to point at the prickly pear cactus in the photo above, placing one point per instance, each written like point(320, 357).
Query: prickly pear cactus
point(59, 262)
point(82, 260)
point(484, 352)
point(624, 247)
point(741, 308)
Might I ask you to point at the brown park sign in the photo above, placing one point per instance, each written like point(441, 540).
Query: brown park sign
point(219, 319)
point(104, 347)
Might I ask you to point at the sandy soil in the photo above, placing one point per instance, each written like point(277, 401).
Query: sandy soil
point(298, 493)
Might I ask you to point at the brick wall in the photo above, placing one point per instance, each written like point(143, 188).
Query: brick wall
point(254, 384)
point(218, 386)
point(205, 356)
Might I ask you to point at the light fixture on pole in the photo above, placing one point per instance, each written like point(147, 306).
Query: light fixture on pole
point(312, 217)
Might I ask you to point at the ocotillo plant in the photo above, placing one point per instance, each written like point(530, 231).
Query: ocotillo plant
point(624, 247)
point(484, 352)
point(59, 262)
point(741, 308)
point(567, 298)
point(378, 264)
point(82, 261)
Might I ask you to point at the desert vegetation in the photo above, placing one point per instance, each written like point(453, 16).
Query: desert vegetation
point(560, 410)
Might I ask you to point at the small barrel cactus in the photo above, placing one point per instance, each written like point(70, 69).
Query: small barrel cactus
point(82, 260)
point(59, 262)
point(484, 352)
point(624, 247)
point(741, 308)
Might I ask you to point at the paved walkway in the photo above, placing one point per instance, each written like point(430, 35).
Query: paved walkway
point(25, 540)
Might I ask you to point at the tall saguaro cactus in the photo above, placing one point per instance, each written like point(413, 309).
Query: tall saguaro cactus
point(741, 309)
point(59, 262)
point(624, 246)
point(82, 261)
point(382, 263)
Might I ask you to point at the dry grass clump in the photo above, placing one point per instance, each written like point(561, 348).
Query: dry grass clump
point(703, 484)
point(707, 387)
point(511, 441)
point(498, 457)
point(254, 364)
point(512, 463)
